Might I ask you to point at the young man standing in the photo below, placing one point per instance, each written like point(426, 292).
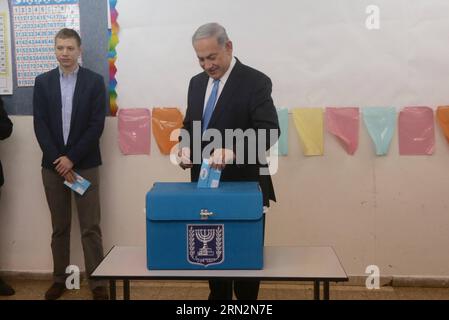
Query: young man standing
point(69, 107)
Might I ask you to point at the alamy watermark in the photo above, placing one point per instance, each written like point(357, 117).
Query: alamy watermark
point(72, 282)
point(252, 146)
point(373, 20)
point(373, 280)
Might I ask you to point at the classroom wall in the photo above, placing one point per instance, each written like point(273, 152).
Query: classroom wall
point(317, 53)
point(389, 211)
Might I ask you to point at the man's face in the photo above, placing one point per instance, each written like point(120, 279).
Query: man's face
point(213, 58)
point(67, 52)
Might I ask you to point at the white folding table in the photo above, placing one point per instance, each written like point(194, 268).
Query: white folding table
point(288, 263)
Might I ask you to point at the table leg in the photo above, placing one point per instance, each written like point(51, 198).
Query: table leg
point(112, 290)
point(126, 290)
point(326, 290)
point(316, 290)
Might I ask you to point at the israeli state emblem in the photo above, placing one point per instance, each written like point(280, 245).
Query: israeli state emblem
point(205, 244)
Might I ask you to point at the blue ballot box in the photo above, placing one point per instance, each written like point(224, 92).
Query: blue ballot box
point(191, 228)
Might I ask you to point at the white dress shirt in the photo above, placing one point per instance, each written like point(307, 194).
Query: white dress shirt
point(221, 85)
point(68, 84)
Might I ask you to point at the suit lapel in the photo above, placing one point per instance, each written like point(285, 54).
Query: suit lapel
point(231, 85)
point(77, 94)
point(55, 86)
point(199, 98)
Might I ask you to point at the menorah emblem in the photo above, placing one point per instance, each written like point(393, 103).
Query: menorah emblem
point(205, 244)
point(205, 236)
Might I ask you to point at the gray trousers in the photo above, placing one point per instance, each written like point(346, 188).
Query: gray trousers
point(88, 207)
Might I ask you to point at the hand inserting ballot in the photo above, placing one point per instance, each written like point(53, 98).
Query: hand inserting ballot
point(220, 158)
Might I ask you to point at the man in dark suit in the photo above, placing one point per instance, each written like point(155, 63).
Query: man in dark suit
point(229, 95)
point(69, 107)
point(5, 132)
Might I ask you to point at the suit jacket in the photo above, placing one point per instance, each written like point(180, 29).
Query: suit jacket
point(5, 132)
point(245, 103)
point(87, 122)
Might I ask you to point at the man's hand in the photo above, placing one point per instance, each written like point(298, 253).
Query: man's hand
point(70, 177)
point(184, 158)
point(220, 158)
point(63, 165)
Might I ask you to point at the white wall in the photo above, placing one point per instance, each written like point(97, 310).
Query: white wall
point(391, 211)
point(317, 52)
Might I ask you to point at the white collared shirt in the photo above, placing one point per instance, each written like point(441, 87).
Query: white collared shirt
point(223, 80)
point(68, 84)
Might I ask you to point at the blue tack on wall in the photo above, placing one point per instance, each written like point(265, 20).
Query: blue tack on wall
point(94, 33)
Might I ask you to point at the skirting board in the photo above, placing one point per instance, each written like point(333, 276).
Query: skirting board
point(393, 281)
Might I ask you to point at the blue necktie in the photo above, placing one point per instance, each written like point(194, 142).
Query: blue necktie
point(210, 105)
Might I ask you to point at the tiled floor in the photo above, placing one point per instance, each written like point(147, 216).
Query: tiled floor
point(162, 290)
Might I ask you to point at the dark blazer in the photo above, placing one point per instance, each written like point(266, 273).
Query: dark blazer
point(244, 103)
point(87, 123)
point(5, 132)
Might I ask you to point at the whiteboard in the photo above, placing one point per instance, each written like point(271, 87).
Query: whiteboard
point(318, 53)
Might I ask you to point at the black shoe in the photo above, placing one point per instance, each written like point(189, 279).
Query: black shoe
point(55, 291)
point(100, 293)
point(5, 289)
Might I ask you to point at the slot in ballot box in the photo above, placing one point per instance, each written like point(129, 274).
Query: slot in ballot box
point(192, 228)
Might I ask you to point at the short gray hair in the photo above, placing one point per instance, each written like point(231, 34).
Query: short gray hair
point(209, 30)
